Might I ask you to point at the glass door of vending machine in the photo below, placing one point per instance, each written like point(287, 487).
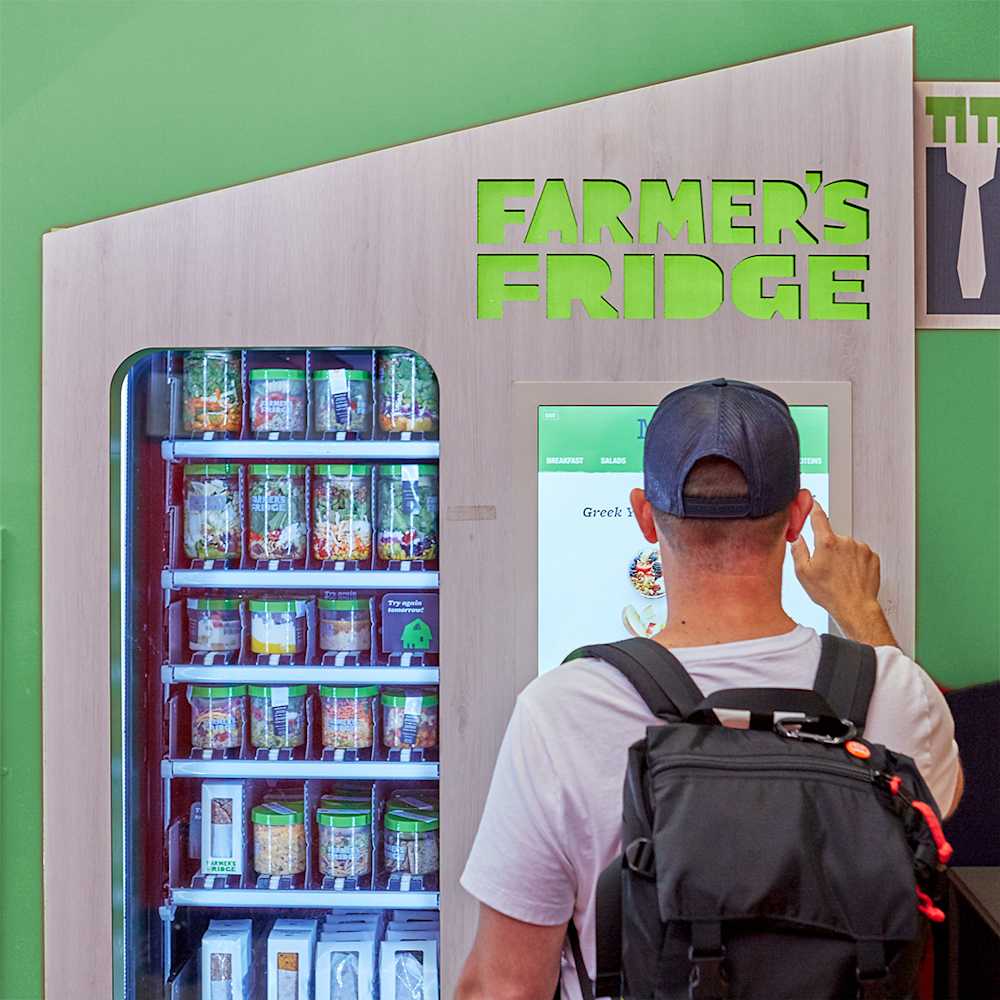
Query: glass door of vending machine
point(277, 820)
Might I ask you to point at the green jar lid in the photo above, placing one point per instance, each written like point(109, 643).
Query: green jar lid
point(348, 692)
point(237, 691)
point(211, 470)
point(271, 606)
point(396, 471)
point(407, 822)
point(277, 471)
point(395, 698)
point(343, 470)
point(326, 605)
point(351, 373)
point(343, 819)
point(277, 374)
point(352, 801)
point(213, 604)
point(279, 813)
point(265, 692)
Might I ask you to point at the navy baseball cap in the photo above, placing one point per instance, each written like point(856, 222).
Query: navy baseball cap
point(749, 425)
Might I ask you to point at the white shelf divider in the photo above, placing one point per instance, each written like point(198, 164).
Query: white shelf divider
point(299, 579)
point(362, 770)
point(174, 449)
point(193, 673)
point(305, 899)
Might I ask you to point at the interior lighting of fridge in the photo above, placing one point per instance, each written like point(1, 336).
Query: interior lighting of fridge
point(275, 685)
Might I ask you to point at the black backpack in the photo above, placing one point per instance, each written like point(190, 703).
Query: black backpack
point(793, 860)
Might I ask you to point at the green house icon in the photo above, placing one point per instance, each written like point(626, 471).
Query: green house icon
point(417, 635)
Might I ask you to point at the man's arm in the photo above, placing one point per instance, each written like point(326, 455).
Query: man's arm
point(843, 576)
point(511, 960)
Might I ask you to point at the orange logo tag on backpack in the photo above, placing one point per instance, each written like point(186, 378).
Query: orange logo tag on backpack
point(857, 749)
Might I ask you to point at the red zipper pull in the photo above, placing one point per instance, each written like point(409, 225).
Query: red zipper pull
point(926, 906)
point(944, 849)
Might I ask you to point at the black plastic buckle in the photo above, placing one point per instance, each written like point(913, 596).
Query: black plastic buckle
point(799, 728)
point(708, 979)
point(640, 859)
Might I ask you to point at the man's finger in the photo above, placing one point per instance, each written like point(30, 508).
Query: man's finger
point(800, 553)
point(820, 523)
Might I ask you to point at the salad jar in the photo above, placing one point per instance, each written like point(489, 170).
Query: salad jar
point(214, 625)
point(407, 512)
point(217, 716)
point(277, 626)
point(212, 393)
point(279, 838)
point(278, 528)
point(345, 625)
point(407, 394)
point(278, 400)
point(342, 513)
point(410, 842)
point(342, 401)
point(278, 717)
point(409, 719)
point(212, 523)
point(345, 841)
point(348, 717)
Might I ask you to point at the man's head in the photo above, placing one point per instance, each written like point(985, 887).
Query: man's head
point(721, 469)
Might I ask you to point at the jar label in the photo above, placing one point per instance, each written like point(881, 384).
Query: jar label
point(212, 503)
point(264, 502)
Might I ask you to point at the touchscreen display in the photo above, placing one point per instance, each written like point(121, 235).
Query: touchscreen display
point(598, 578)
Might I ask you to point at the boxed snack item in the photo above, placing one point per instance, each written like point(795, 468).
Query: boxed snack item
point(226, 960)
point(408, 970)
point(290, 947)
point(345, 967)
point(222, 827)
point(418, 932)
point(416, 915)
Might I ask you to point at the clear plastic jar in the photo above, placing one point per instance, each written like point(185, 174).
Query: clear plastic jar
point(277, 626)
point(342, 401)
point(278, 527)
point(407, 394)
point(408, 512)
point(279, 838)
point(278, 717)
point(217, 716)
point(212, 392)
point(345, 842)
point(409, 719)
point(214, 625)
point(410, 842)
point(345, 625)
point(348, 717)
point(342, 512)
point(212, 523)
point(278, 400)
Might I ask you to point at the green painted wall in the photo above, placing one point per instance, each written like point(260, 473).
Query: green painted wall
point(108, 106)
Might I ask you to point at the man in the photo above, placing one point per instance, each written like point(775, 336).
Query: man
point(722, 498)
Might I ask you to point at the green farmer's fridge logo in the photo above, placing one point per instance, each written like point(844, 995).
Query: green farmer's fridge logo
point(825, 285)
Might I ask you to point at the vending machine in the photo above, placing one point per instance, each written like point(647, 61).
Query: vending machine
point(277, 811)
point(313, 492)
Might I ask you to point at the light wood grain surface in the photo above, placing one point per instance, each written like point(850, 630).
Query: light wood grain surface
point(380, 250)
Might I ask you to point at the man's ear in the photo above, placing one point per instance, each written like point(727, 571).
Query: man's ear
point(798, 513)
point(643, 511)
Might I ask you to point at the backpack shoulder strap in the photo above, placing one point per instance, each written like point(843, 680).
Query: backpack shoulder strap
point(846, 677)
point(656, 674)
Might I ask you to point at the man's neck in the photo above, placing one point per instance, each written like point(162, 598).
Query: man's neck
point(708, 609)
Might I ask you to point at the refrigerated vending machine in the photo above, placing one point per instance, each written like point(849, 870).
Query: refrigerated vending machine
point(293, 485)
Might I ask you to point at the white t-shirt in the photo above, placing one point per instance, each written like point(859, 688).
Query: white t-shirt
point(552, 821)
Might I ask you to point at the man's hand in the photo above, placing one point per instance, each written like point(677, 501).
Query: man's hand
point(842, 575)
point(511, 960)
